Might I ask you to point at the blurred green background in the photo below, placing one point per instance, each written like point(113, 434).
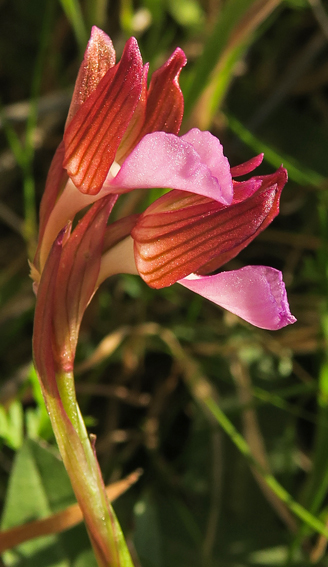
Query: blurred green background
point(229, 423)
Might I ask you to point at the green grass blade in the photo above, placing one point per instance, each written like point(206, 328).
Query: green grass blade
point(229, 17)
point(74, 14)
point(205, 395)
point(271, 482)
point(296, 172)
point(96, 12)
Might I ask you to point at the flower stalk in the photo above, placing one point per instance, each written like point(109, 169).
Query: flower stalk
point(73, 441)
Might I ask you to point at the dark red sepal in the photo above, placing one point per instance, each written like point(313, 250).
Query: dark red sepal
point(164, 109)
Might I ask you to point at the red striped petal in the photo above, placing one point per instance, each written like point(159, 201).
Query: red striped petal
point(99, 56)
point(95, 132)
point(132, 134)
point(165, 100)
point(203, 235)
point(162, 106)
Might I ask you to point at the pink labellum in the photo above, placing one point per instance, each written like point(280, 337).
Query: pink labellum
point(257, 294)
point(210, 151)
point(171, 243)
point(99, 56)
point(164, 160)
point(95, 132)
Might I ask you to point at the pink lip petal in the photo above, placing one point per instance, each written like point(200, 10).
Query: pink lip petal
point(210, 151)
point(257, 294)
point(164, 160)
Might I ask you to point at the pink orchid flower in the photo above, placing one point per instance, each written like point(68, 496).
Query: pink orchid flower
point(119, 136)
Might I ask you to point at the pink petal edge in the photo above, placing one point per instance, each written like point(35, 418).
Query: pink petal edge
point(210, 151)
point(166, 161)
point(257, 294)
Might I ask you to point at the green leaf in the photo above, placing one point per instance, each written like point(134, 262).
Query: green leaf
point(74, 14)
point(147, 536)
point(11, 424)
point(38, 425)
point(38, 487)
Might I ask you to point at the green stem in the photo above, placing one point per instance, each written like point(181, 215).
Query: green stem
point(83, 469)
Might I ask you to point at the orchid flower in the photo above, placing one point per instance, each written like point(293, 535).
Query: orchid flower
point(121, 135)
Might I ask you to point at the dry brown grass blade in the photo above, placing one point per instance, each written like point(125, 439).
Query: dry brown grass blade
point(105, 348)
point(62, 520)
point(254, 16)
point(319, 549)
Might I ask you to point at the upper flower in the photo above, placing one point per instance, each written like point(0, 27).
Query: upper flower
point(121, 135)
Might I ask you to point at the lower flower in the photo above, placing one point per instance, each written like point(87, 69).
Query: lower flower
point(182, 237)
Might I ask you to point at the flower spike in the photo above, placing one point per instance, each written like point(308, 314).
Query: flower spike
point(121, 136)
